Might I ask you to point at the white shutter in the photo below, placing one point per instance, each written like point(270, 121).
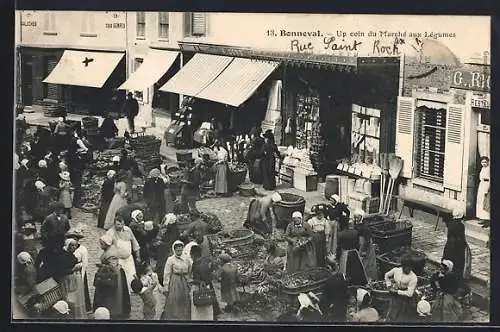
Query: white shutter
point(405, 133)
point(199, 24)
point(454, 147)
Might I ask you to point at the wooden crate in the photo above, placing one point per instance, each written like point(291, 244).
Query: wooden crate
point(305, 182)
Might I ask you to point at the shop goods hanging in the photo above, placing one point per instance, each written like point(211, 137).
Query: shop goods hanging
point(306, 281)
point(288, 205)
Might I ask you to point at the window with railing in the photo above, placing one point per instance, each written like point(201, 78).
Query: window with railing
point(195, 24)
point(141, 24)
point(163, 25)
point(430, 143)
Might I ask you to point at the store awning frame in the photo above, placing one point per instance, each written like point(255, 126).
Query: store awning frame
point(84, 68)
point(238, 81)
point(155, 65)
point(196, 74)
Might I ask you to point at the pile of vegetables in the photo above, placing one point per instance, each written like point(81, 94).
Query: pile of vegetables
point(250, 272)
point(305, 278)
point(91, 190)
point(213, 222)
point(427, 292)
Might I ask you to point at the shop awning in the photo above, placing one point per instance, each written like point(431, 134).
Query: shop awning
point(199, 72)
point(81, 68)
point(155, 65)
point(238, 81)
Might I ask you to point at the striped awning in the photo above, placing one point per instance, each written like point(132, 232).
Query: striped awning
point(81, 68)
point(155, 65)
point(197, 74)
point(238, 81)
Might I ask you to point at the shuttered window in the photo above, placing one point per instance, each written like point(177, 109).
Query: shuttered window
point(50, 90)
point(141, 24)
point(430, 143)
point(404, 134)
point(454, 149)
point(163, 25)
point(195, 24)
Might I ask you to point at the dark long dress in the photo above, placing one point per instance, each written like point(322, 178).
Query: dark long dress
point(255, 160)
point(111, 291)
point(166, 237)
point(270, 152)
point(154, 197)
point(202, 272)
point(350, 260)
point(107, 193)
point(456, 247)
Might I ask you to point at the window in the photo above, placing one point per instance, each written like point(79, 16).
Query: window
point(49, 24)
point(195, 24)
point(163, 25)
point(139, 95)
point(141, 24)
point(430, 143)
point(485, 116)
point(88, 25)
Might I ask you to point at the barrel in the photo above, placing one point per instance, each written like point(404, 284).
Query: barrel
point(288, 205)
point(332, 186)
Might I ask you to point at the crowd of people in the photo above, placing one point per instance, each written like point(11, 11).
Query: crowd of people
point(145, 253)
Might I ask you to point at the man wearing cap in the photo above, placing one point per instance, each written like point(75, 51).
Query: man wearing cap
point(131, 109)
point(153, 194)
point(55, 226)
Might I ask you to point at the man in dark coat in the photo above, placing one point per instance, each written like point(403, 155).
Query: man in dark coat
point(190, 191)
point(154, 195)
point(55, 226)
point(131, 109)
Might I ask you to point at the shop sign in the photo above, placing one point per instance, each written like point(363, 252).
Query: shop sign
point(115, 25)
point(480, 102)
point(471, 80)
point(29, 24)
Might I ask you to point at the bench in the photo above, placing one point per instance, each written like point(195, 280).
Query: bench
point(412, 203)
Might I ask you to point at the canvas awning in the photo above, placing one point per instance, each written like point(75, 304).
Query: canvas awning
point(238, 81)
point(81, 68)
point(196, 74)
point(155, 65)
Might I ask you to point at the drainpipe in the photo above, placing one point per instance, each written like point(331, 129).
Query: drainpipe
point(181, 64)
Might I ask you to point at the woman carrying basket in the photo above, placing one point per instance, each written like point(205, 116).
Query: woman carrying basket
point(300, 253)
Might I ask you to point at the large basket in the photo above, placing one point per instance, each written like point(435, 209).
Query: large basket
point(288, 205)
point(391, 235)
point(385, 261)
point(46, 294)
point(318, 276)
point(238, 237)
point(246, 189)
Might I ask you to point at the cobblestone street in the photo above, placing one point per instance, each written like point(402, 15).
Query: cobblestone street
point(231, 211)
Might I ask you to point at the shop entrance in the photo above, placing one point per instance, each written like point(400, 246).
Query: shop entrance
point(27, 82)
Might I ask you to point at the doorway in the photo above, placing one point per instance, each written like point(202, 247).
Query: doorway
point(27, 83)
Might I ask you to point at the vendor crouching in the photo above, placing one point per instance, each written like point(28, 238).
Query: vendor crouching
point(261, 217)
point(300, 252)
point(402, 282)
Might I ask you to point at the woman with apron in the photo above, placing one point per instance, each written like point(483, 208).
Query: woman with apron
point(125, 243)
point(482, 203)
point(300, 253)
point(402, 282)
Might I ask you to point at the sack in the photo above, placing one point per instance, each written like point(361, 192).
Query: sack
point(202, 296)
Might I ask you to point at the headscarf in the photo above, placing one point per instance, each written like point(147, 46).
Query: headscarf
point(116, 159)
point(154, 173)
point(276, 197)
point(135, 213)
point(110, 175)
point(102, 313)
point(25, 162)
point(176, 243)
point(148, 226)
point(225, 258)
point(448, 264)
point(336, 198)
point(39, 185)
point(297, 214)
point(106, 239)
point(68, 242)
point(42, 163)
point(169, 219)
point(61, 307)
point(423, 308)
point(360, 294)
point(458, 212)
point(24, 258)
point(75, 233)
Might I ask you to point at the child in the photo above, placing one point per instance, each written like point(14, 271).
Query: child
point(144, 285)
point(228, 281)
point(66, 192)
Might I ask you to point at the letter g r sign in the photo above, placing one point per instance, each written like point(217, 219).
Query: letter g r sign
point(458, 78)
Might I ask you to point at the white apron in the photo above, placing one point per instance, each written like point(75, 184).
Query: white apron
point(127, 264)
point(484, 186)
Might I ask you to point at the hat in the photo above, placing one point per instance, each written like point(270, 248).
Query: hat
point(225, 258)
point(423, 308)
point(148, 226)
point(42, 163)
point(276, 197)
point(61, 307)
point(360, 294)
point(39, 185)
point(448, 264)
point(110, 173)
point(65, 176)
point(458, 212)
point(335, 197)
point(169, 219)
point(135, 213)
point(116, 159)
point(60, 119)
point(68, 242)
point(102, 313)
point(297, 214)
point(74, 233)
point(154, 173)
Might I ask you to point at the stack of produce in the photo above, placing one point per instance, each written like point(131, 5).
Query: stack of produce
point(145, 146)
point(150, 162)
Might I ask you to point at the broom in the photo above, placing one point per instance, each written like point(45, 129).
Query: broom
point(396, 164)
point(383, 176)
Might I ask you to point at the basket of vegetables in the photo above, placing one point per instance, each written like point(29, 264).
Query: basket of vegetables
point(392, 259)
point(250, 272)
point(306, 281)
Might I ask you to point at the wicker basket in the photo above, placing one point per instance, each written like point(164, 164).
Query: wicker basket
point(239, 237)
point(325, 276)
point(288, 205)
point(247, 189)
point(391, 235)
